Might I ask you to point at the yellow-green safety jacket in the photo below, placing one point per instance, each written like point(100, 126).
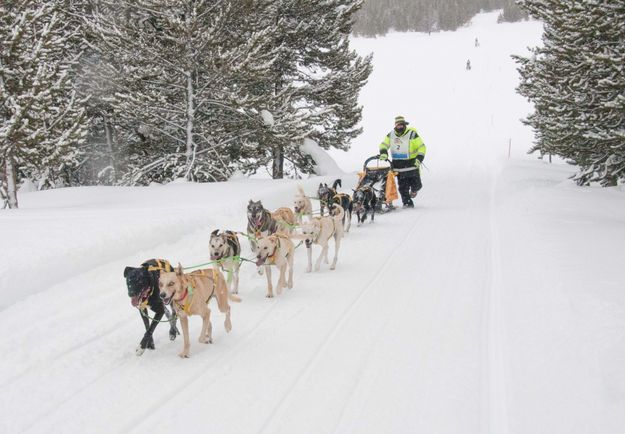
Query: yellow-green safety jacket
point(405, 150)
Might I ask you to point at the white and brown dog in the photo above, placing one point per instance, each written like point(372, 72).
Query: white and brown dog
point(302, 205)
point(319, 231)
point(278, 250)
point(225, 249)
point(190, 294)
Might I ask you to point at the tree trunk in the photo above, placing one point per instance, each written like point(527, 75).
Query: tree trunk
point(11, 177)
point(190, 154)
point(109, 147)
point(278, 162)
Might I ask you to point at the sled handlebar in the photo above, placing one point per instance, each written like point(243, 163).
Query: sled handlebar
point(372, 158)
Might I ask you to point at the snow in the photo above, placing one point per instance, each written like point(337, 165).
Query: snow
point(497, 305)
point(324, 163)
point(267, 118)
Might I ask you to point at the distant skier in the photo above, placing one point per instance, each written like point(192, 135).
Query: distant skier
point(407, 152)
point(468, 65)
point(477, 43)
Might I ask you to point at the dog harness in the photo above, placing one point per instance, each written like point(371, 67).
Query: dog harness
point(190, 291)
point(161, 265)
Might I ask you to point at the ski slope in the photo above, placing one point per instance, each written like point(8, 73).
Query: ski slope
point(495, 306)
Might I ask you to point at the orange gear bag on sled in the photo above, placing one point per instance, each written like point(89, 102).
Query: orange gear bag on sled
point(391, 188)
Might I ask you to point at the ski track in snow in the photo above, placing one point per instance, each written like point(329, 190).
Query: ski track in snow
point(320, 351)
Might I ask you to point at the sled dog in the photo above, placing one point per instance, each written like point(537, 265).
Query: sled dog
point(261, 222)
point(319, 231)
point(226, 250)
point(277, 250)
point(329, 195)
point(142, 284)
point(364, 201)
point(190, 293)
point(302, 205)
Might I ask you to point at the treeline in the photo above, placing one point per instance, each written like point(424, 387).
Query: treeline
point(377, 17)
point(576, 82)
point(128, 93)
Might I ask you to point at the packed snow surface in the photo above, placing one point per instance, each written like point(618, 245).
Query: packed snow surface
point(496, 306)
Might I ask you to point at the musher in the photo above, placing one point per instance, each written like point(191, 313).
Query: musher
point(407, 152)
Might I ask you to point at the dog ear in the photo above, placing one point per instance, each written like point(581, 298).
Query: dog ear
point(127, 271)
point(179, 269)
point(214, 233)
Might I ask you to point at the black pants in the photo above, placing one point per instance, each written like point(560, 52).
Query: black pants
point(409, 181)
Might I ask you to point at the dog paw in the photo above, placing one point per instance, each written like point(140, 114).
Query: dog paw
point(184, 355)
point(139, 351)
point(269, 296)
point(147, 342)
point(228, 326)
point(333, 267)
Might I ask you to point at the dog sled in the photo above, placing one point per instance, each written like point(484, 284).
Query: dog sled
point(378, 174)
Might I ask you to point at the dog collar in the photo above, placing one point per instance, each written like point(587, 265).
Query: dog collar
point(272, 257)
point(186, 292)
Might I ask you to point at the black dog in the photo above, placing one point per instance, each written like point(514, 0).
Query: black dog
point(328, 196)
point(364, 202)
point(142, 283)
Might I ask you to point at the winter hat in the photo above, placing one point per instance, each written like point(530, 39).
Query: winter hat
point(400, 120)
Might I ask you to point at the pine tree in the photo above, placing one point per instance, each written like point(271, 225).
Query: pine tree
point(315, 81)
point(186, 71)
point(577, 85)
point(43, 120)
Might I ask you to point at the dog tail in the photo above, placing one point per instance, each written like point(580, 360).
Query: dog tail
point(337, 182)
point(234, 298)
point(300, 190)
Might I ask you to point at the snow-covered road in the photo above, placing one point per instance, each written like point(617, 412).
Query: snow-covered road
point(496, 306)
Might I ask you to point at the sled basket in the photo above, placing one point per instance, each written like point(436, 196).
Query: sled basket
point(378, 174)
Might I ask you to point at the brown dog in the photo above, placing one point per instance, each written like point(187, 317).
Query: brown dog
point(278, 250)
point(285, 217)
point(190, 293)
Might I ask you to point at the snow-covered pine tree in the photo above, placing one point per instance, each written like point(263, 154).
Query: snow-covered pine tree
point(315, 81)
point(186, 70)
point(43, 120)
point(576, 81)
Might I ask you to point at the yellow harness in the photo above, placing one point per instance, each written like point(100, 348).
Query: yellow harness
point(161, 265)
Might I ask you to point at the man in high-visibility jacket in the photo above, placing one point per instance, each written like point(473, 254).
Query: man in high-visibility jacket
point(407, 151)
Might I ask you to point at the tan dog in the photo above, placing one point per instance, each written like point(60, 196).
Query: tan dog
point(302, 205)
point(278, 250)
point(319, 231)
point(285, 217)
point(190, 294)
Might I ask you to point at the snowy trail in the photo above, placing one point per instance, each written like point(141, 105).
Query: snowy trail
point(495, 306)
point(346, 324)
